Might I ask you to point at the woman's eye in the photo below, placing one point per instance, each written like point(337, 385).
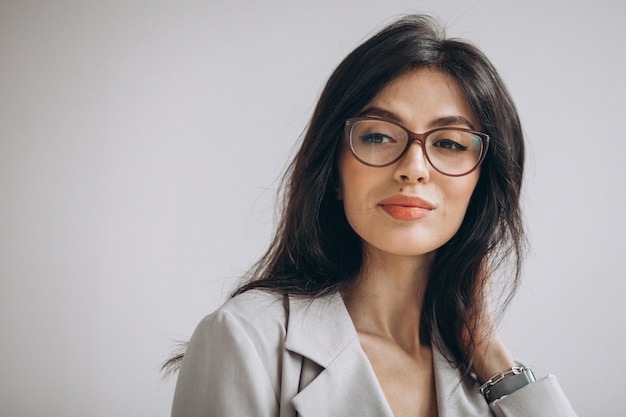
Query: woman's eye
point(376, 138)
point(450, 144)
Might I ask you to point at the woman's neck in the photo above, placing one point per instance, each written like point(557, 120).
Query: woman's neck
point(386, 298)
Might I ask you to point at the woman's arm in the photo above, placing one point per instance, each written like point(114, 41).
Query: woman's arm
point(492, 356)
point(542, 398)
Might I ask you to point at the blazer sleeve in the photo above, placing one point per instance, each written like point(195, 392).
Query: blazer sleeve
point(543, 398)
point(222, 374)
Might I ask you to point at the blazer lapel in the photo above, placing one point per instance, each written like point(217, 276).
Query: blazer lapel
point(321, 330)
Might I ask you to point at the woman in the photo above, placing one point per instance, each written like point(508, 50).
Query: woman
point(373, 299)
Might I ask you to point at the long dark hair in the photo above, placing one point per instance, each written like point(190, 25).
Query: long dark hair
point(315, 251)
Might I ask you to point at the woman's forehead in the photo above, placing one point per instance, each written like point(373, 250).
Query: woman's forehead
point(422, 98)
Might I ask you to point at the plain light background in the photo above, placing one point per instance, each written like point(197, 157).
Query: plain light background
point(140, 144)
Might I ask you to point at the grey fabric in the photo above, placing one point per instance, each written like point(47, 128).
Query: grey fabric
point(261, 354)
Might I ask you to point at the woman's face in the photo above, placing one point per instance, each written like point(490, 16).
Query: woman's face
point(408, 208)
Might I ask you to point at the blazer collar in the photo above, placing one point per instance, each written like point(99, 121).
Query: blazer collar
point(322, 331)
point(319, 329)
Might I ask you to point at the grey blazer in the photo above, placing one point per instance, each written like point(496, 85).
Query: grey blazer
point(261, 354)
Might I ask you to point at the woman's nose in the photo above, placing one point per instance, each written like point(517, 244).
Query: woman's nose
point(413, 167)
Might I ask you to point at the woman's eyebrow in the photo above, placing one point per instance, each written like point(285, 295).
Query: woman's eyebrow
point(382, 113)
point(451, 121)
point(445, 121)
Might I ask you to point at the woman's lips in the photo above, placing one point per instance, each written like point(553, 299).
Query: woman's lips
point(406, 208)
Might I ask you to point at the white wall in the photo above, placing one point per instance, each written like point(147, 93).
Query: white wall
point(139, 147)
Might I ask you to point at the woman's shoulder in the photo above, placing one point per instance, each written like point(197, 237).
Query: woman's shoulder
point(261, 315)
point(264, 319)
point(255, 306)
point(236, 346)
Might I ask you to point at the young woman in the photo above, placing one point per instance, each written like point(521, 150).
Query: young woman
point(374, 297)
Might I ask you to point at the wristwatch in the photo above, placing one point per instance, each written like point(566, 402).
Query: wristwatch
point(505, 383)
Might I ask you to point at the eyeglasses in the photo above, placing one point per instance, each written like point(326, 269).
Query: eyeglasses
point(452, 151)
